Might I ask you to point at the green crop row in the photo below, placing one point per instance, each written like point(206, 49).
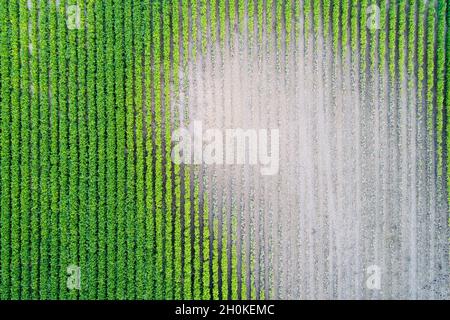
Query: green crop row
point(344, 26)
point(63, 139)
point(149, 161)
point(15, 149)
point(130, 111)
point(25, 194)
point(307, 8)
point(411, 46)
point(92, 241)
point(54, 156)
point(373, 47)
point(111, 180)
point(168, 162)
point(159, 214)
point(100, 124)
point(186, 210)
point(336, 14)
point(328, 6)
point(83, 156)
point(178, 240)
point(430, 88)
point(5, 151)
point(430, 73)
point(447, 104)
point(364, 44)
point(442, 8)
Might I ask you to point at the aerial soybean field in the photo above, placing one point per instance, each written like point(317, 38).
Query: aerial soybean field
point(224, 149)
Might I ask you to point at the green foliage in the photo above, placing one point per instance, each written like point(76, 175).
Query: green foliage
point(130, 107)
point(336, 25)
point(74, 165)
point(54, 151)
point(63, 139)
point(178, 263)
point(86, 122)
point(411, 44)
point(149, 179)
point(139, 43)
point(119, 68)
point(204, 24)
point(15, 150)
point(169, 210)
point(307, 8)
point(100, 127)
point(431, 85)
point(345, 21)
point(5, 153)
point(159, 214)
point(25, 195)
point(111, 180)
point(83, 142)
point(440, 90)
point(447, 103)
point(401, 40)
point(442, 8)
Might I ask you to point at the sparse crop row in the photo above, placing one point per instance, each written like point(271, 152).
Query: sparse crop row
point(260, 9)
point(402, 40)
point(412, 30)
point(204, 24)
point(345, 21)
point(430, 74)
point(420, 57)
point(354, 32)
point(392, 43)
point(373, 47)
point(307, 8)
point(279, 28)
point(328, 6)
point(222, 22)
point(251, 19)
point(169, 208)
point(336, 14)
point(364, 44)
point(225, 262)
point(447, 103)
